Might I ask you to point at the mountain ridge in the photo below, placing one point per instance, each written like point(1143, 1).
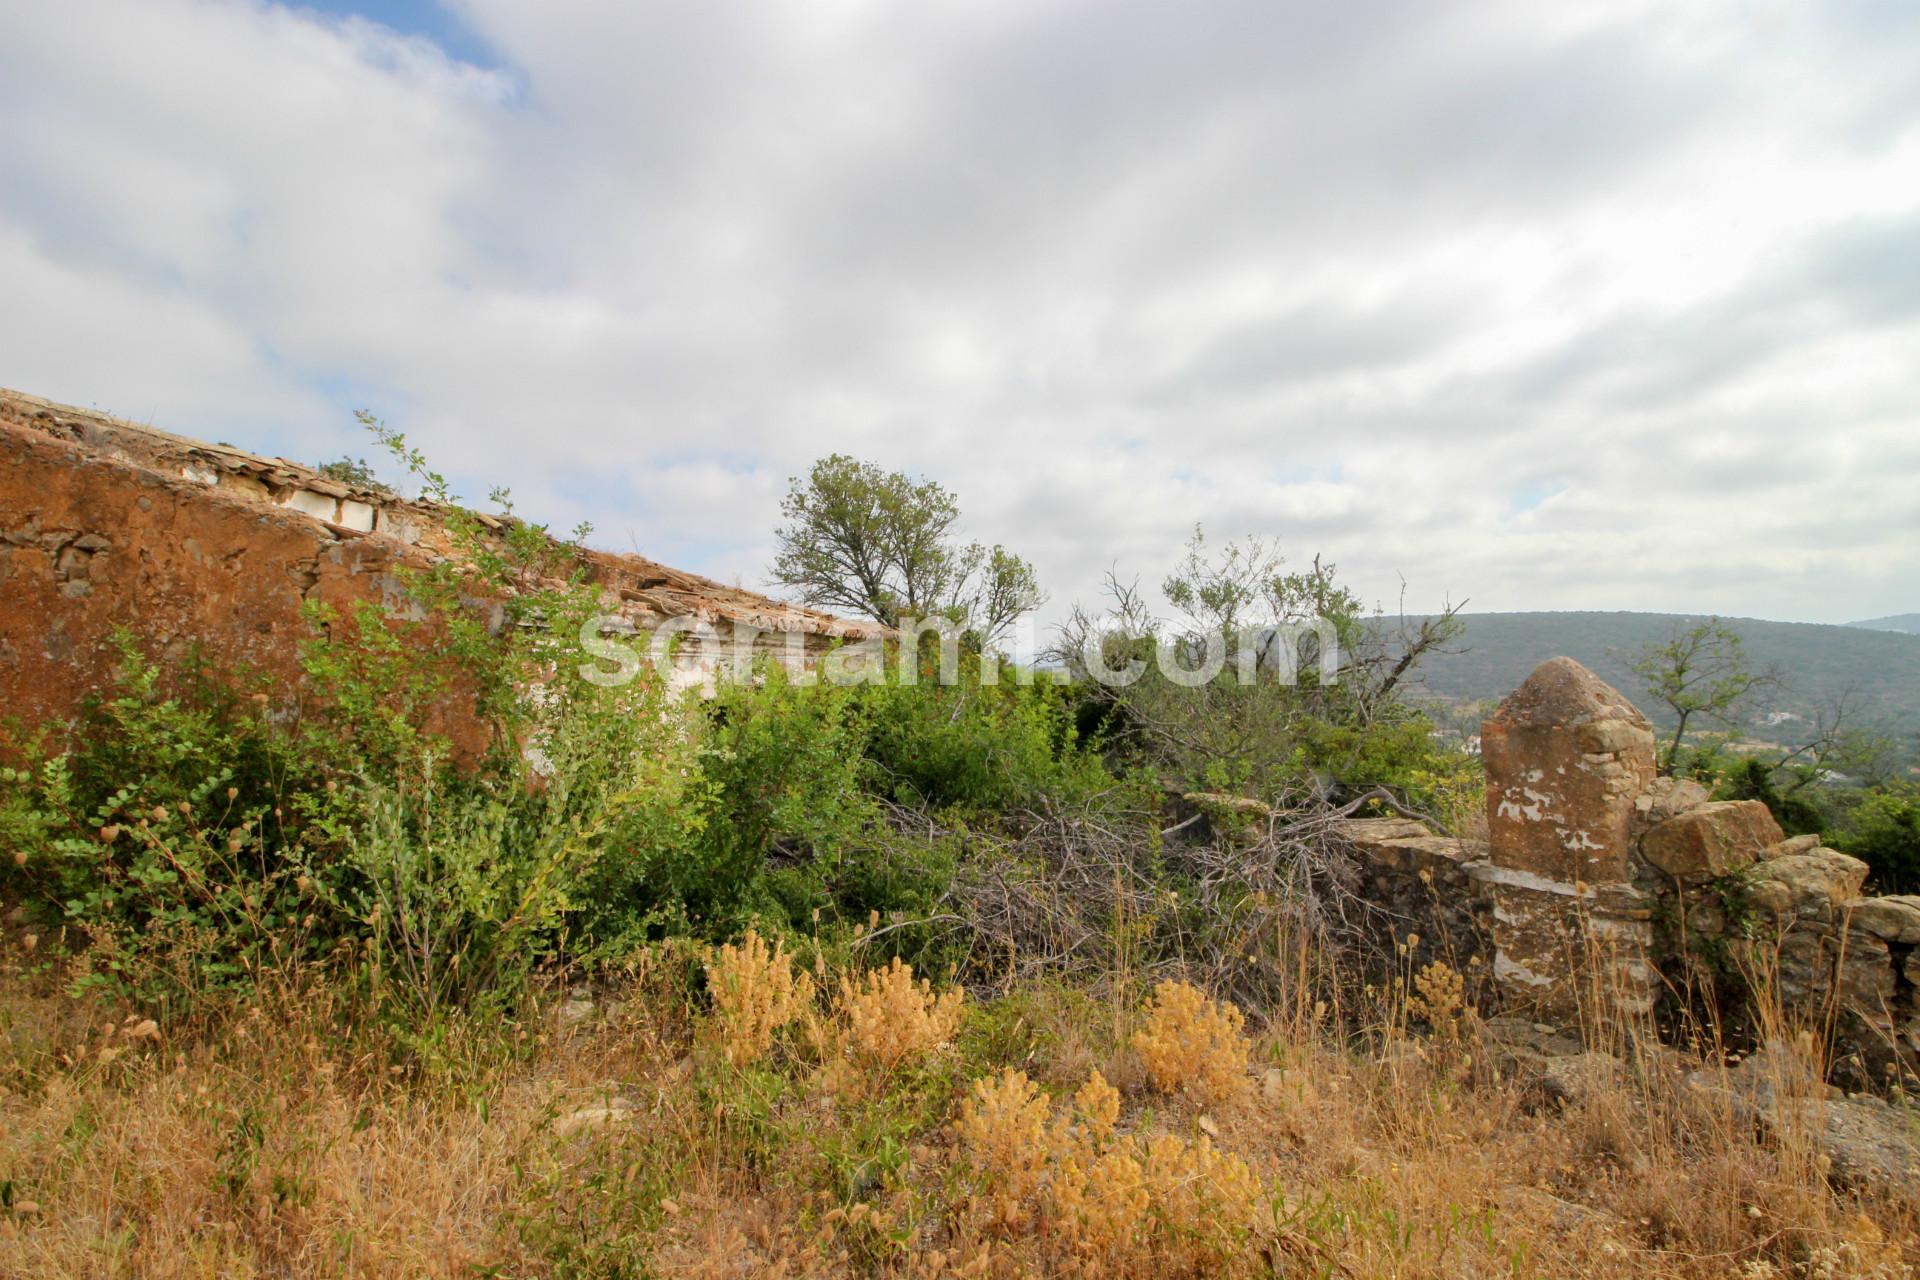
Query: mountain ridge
point(1901, 623)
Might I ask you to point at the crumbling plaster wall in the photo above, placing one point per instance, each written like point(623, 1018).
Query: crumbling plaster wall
point(107, 524)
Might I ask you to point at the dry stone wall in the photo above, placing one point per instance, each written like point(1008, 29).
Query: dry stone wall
point(1606, 890)
point(1432, 893)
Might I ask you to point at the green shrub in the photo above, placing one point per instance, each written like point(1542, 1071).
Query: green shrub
point(1883, 831)
point(1285, 731)
point(799, 774)
point(465, 882)
point(170, 834)
point(977, 747)
point(784, 806)
point(195, 839)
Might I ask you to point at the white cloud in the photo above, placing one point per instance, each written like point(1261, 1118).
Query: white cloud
point(1548, 306)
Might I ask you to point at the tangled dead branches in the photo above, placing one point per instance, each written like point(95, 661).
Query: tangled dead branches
point(1251, 901)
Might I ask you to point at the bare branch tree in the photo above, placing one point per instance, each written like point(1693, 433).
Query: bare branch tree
point(1242, 607)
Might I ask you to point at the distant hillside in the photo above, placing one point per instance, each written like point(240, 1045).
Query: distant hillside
point(1814, 662)
point(1906, 623)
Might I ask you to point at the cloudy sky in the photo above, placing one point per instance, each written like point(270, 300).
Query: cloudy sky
point(1567, 305)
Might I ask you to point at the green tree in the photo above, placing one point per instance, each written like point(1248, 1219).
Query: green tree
point(879, 543)
point(1699, 671)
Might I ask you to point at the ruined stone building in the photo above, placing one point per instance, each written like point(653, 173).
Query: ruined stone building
point(106, 523)
point(1602, 889)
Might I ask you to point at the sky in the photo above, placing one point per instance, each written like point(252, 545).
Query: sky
point(1537, 306)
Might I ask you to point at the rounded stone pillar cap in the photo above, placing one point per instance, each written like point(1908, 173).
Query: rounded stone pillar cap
point(1561, 691)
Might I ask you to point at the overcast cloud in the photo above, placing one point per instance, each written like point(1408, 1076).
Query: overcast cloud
point(1568, 305)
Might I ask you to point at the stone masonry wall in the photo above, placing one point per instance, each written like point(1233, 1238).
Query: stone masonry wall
point(1604, 889)
point(1436, 889)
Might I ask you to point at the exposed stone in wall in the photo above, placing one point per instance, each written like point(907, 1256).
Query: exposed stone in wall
point(1666, 798)
point(1588, 847)
point(1809, 885)
point(1713, 839)
point(105, 524)
point(1425, 886)
point(1838, 961)
point(1567, 758)
point(1895, 920)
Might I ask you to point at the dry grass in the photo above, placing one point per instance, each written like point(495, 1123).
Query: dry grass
point(1087, 1199)
point(279, 1144)
point(756, 991)
point(890, 1019)
point(1193, 1045)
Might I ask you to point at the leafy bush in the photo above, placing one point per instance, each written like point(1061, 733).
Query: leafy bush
point(977, 747)
point(1286, 729)
point(196, 839)
point(592, 818)
point(787, 811)
point(1883, 831)
point(171, 834)
point(802, 778)
point(463, 884)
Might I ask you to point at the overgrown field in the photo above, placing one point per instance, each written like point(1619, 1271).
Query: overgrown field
point(904, 978)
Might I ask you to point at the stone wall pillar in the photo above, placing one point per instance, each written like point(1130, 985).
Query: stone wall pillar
point(1566, 756)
